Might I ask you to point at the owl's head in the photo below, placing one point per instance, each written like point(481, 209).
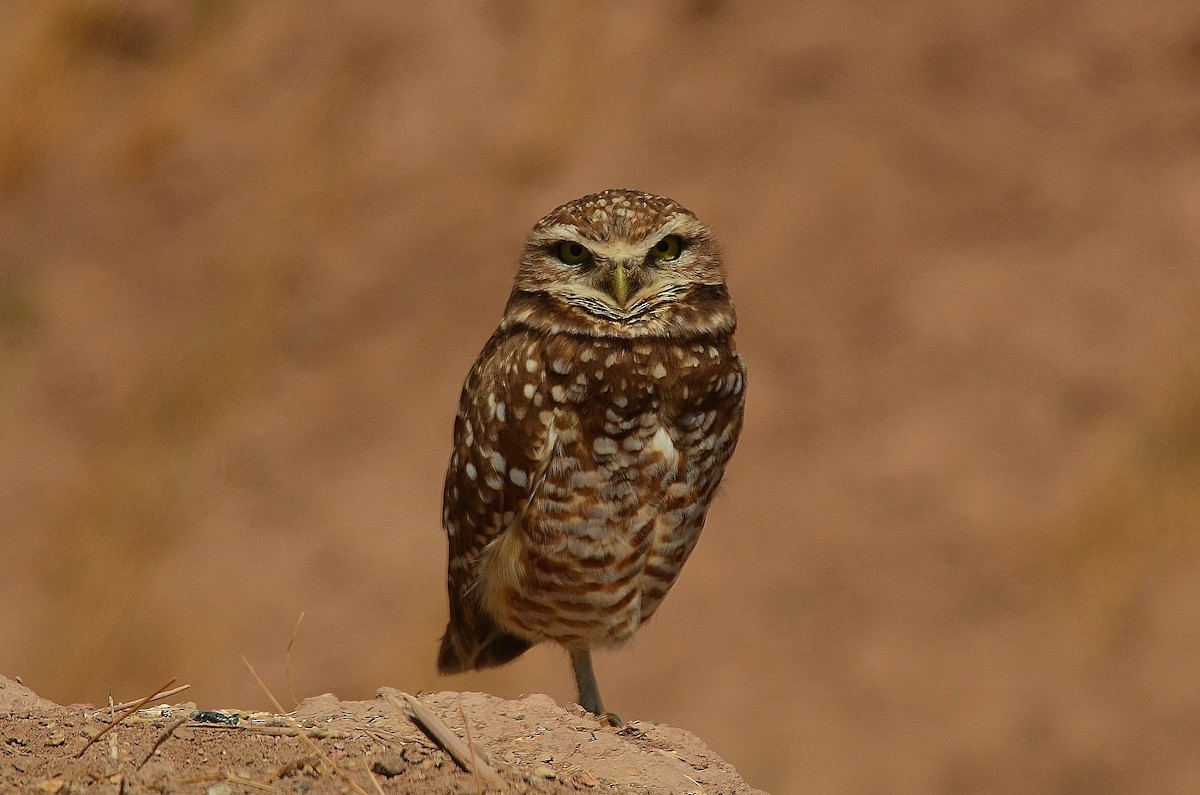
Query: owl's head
point(621, 263)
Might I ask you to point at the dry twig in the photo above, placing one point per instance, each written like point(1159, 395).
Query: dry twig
point(159, 697)
point(445, 737)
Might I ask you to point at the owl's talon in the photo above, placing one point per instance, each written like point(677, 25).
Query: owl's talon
point(610, 719)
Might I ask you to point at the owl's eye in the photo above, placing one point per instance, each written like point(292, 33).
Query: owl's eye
point(667, 249)
point(572, 253)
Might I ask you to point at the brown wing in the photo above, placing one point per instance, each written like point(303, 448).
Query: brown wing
point(500, 446)
point(705, 434)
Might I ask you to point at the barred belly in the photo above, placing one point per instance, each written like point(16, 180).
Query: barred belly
point(616, 518)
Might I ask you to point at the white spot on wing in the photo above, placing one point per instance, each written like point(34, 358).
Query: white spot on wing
point(661, 441)
point(604, 446)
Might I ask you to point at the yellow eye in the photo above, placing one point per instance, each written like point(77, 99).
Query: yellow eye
point(666, 249)
point(572, 253)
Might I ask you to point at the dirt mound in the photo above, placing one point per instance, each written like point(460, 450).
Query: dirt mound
point(352, 746)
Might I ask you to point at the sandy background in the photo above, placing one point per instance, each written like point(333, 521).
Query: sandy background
point(249, 250)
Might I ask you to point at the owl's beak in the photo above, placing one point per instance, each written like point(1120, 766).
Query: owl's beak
point(620, 283)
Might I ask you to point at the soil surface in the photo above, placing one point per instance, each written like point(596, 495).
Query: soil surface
point(531, 744)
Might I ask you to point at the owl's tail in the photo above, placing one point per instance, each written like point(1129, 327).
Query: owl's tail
point(479, 645)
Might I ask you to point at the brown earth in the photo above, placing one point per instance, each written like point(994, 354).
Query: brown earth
point(248, 251)
point(532, 745)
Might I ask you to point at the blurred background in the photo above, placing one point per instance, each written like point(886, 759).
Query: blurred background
point(248, 251)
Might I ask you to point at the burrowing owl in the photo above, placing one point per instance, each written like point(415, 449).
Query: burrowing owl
point(591, 435)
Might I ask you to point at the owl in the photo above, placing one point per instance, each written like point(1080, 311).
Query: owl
point(591, 435)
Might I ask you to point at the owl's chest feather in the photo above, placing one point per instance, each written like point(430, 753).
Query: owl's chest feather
point(642, 418)
point(612, 384)
point(635, 450)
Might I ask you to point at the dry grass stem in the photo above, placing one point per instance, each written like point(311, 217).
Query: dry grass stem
point(287, 660)
point(279, 731)
point(374, 781)
point(318, 750)
point(230, 777)
point(162, 738)
point(134, 708)
point(474, 761)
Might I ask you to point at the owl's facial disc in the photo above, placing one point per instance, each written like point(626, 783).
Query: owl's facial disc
point(615, 281)
point(618, 272)
point(621, 264)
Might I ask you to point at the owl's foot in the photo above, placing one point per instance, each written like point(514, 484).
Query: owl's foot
point(589, 690)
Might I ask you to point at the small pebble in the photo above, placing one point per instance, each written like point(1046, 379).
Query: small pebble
point(388, 764)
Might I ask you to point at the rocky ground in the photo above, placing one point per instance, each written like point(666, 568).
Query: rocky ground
point(530, 745)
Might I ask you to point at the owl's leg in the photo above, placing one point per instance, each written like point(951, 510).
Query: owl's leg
point(589, 689)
